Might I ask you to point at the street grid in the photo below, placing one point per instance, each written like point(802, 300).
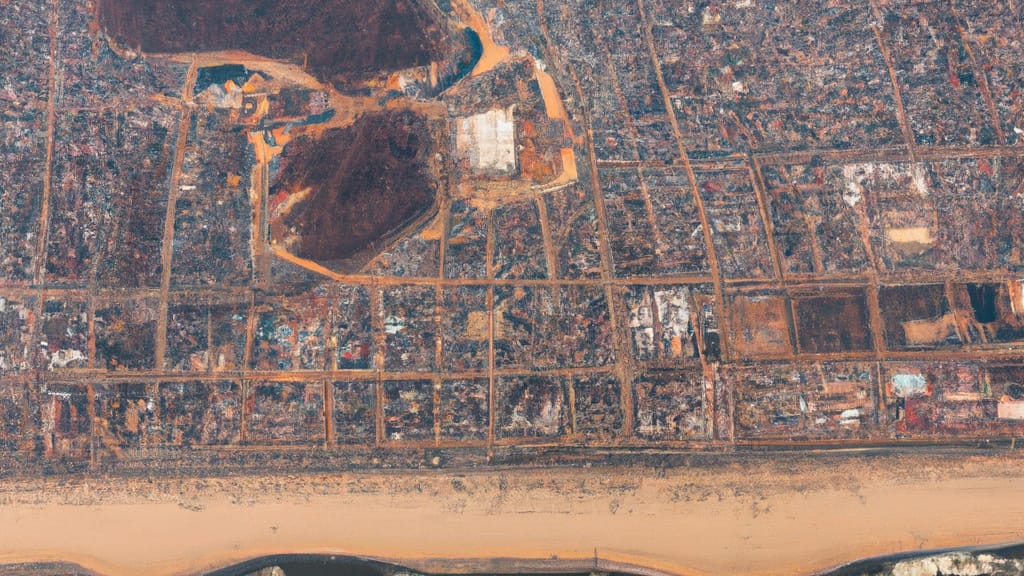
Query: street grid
point(623, 366)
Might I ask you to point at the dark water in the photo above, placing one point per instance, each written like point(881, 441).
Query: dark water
point(310, 565)
point(318, 565)
point(882, 565)
point(476, 50)
point(315, 565)
point(209, 75)
point(326, 565)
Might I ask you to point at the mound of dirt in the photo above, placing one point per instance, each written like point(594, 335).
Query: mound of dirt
point(366, 182)
point(342, 39)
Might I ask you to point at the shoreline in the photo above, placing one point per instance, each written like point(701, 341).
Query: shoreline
point(740, 518)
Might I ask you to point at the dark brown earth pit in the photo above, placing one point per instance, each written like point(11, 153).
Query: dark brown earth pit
point(338, 40)
point(359, 186)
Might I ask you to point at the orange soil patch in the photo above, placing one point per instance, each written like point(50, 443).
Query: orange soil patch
point(535, 163)
point(493, 54)
point(553, 104)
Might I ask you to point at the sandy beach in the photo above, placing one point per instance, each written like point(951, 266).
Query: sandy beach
point(791, 517)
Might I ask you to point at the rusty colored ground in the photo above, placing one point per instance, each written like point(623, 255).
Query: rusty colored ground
point(336, 40)
point(366, 182)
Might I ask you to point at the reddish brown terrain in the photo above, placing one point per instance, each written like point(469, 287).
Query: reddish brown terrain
point(367, 181)
point(342, 39)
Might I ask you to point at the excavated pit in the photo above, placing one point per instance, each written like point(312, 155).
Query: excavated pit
point(338, 40)
point(362, 184)
point(366, 183)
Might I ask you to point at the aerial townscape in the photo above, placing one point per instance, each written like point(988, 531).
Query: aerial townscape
point(336, 236)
